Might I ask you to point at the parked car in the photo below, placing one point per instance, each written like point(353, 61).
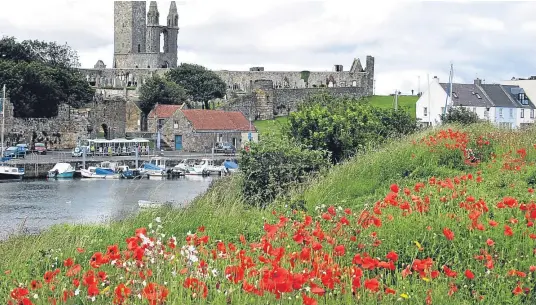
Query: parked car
point(24, 148)
point(78, 152)
point(226, 148)
point(40, 148)
point(14, 152)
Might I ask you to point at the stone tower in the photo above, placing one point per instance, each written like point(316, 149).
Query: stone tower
point(153, 29)
point(129, 27)
point(137, 36)
point(171, 34)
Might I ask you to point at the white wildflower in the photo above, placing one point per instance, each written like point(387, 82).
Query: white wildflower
point(77, 291)
point(35, 296)
point(158, 219)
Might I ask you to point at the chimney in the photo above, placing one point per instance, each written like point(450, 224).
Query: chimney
point(436, 79)
point(478, 82)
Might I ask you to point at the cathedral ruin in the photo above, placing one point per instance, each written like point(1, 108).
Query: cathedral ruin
point(138, 55)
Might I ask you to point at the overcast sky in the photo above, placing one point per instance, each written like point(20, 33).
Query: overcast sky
point(491, 40)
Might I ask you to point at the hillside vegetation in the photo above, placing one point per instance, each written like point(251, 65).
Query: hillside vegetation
point(405, 102)
point(443, 216)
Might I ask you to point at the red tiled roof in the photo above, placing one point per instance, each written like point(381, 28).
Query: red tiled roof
point(164, 111)
point(217, 120)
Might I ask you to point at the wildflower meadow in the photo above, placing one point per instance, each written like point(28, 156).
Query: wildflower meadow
point(455, 228)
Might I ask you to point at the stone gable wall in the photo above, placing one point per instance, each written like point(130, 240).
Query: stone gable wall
point(71, 124)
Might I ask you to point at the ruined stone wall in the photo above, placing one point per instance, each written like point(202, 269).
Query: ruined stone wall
point(62, 131)
point(133, 117)
point(266, 103)
point(111, 113)
point(286, 100)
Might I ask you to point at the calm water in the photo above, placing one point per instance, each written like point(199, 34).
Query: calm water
point(39, 204)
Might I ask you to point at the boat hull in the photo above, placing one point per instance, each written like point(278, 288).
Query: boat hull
point(145, 204)
point(88, 174)
point(10, 176)
point(61, 175)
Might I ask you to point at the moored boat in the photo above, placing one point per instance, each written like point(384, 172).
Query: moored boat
point(9, 172)
point(61, 170)
point(147, 204)
point(98, 172)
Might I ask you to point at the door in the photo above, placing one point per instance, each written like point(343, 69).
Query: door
point(178, 142)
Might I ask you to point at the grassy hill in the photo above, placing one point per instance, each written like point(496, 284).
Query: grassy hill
point(414, 221)
point(406, 103)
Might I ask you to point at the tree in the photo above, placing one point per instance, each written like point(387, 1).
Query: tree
point(162, 91)
point(459, 115)
point(343, 126)
point(41, 75)
point(201, 85)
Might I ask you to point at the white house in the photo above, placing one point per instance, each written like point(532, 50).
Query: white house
point(504, 105)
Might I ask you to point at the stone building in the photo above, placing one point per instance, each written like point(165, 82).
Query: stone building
point(139, 56)
point(195, 130)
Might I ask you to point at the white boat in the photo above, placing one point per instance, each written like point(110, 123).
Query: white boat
point(99, 172)
point(147, 204)
point(183, 165)
point(155, 168)
point(204, 167)
point(8, 172)
point(61, 170)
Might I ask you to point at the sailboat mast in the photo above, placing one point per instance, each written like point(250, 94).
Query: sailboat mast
point(3, 117)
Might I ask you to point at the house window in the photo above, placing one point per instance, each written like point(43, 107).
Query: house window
point(474, 109)
point(500, 113)
point(532, 113)
point(442, 110)
point(486, 113)
point(425, 111)
point(455, 94)
point(176, 124)
point(522, 113)
point(511, 113)
point(139, 48)
point(521, 97)
point(220, 138)
point(161, 123)
point(478, 96)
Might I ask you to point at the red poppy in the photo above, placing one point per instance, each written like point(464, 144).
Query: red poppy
point(469, 274)
point(448, 233)
point(196, 286)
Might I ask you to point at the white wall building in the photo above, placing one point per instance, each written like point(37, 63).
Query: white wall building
point(505, 105)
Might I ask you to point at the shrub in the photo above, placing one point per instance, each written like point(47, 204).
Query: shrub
point(272, 166)
point(459, 115)
point(344, 126)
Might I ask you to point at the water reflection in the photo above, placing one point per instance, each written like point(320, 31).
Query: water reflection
point(40, 204)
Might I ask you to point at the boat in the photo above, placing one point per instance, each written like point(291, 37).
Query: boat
point(98, 172)
point(230, 166)
point(127, 173)
point(9, 172)
point(152, 170)
point(145, 204)
point(183, 165)
point(61, 170)
point(204, 167)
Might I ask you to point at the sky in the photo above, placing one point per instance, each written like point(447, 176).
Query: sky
point(409, 40)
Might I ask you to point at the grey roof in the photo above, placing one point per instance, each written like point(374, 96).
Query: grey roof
point(498, 96)
point(467, 95)
point(513, 92)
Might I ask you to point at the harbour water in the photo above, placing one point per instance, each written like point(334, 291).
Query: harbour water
point(35, 205)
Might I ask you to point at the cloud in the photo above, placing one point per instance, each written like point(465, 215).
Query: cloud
point(409, 40)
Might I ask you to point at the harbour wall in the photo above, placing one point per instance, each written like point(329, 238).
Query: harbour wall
point(34, 170)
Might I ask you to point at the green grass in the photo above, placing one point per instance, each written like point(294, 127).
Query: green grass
point(274, 125)
point(406, 103)
point(357, 183)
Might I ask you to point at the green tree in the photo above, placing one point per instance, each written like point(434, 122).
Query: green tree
point(459, 115)
point(162, 91)
point(201, 85)
point(41, 75)
point(344, 125)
